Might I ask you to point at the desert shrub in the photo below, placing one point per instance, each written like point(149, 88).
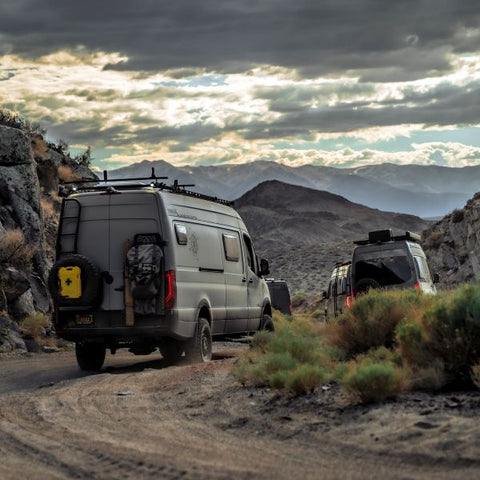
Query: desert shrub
point(453, 331)
point(48, 208)
point(66, 174)
point(372, 320)
point(374, 376)
point(15, 251)
point(435, 239)
point(293, 358)
point(35, 325)
point(39, 148)
point(475, 375)
point(299, 299)
point(457, 215)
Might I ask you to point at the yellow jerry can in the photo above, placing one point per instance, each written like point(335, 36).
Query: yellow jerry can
point(70, 282)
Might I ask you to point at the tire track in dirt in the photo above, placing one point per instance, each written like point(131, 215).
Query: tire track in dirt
point(195, 422)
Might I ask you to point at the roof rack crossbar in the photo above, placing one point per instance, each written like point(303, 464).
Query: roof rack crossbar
point(176, 187)
point(106, 179)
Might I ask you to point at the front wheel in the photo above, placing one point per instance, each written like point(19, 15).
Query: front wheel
point(267, 324)
point(199, 348)
point(90, 356)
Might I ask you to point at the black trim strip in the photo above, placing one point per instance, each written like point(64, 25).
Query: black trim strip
point(215, 270)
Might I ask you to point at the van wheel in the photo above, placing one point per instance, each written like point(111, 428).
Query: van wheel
point(171, 350)
point(267, 324)
point(199, 348)
point(90, 356)
point(366, 284)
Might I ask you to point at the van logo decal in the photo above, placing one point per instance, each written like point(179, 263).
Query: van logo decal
point(193, 244)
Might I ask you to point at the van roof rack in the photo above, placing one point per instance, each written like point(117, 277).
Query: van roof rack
point(381, 236)
point(104, 185)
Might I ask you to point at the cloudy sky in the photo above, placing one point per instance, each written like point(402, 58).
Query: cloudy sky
point(199, 82)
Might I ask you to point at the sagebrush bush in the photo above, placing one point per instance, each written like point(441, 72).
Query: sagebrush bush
point(66, 174)
point(15, 251)
point(35, 325)
point(372, 320)
point(453, 330)
point(293, 358)
point(374, 382)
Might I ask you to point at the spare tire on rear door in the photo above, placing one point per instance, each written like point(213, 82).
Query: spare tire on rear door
point(75, 281)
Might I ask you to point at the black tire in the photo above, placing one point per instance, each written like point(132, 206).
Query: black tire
point(365, 285)
point(267, 324)
point(91, 278)
point(171, 350)
point(90, 356)
point(199, 347)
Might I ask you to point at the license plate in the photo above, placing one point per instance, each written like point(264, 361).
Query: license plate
point(83, 319)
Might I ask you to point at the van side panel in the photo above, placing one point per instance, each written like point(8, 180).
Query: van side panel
point(200, 273)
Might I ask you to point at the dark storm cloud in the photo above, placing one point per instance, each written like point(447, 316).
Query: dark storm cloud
point(442, 106)
point(380, 40)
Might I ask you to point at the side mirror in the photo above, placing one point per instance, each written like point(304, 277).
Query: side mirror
point(264, 267)
point(325, 294)
point(436, 278)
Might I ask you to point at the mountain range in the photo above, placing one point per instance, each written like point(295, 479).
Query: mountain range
point(425, 191)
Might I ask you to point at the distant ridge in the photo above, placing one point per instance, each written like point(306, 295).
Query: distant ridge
point(426, 191)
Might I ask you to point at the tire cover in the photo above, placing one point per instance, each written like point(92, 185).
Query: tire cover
point(91, 282)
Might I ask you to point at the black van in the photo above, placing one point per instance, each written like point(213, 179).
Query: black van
point(381, 261)
point(388, 261)
point(280, 295)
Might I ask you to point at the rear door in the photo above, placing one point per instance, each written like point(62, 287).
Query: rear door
point(235, 282)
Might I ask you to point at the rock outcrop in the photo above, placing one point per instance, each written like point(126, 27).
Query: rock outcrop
point(29, 210)
point(452, 245)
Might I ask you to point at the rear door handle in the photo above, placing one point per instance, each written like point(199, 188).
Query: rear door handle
point(250, 280)
point(244, 279)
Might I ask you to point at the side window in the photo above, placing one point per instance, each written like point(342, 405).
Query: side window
point(231, 247)
point(250, 254)
point(181, 234)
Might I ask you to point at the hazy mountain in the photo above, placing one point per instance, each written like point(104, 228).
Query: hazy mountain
point(304, 232)
point(426, 191)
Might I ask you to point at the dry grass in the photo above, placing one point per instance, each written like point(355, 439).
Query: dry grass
point(39, 148)
point(48, 208)
point(66, 174)
point(15, 251)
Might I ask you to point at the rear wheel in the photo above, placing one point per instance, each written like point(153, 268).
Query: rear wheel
point(199, 348)
point(90, 356)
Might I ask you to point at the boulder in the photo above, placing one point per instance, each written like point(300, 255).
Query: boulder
point(15, 147)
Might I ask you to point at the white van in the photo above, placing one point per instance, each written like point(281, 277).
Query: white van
point(154, 267)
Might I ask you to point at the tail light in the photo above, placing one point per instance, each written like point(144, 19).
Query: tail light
point(348, 301)
point(289, 308)
point(170, 289)
point(417, 286)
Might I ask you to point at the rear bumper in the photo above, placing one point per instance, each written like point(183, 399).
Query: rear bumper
point(109, 327)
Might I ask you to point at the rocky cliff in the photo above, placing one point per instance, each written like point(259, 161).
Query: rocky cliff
point(452, 245)
point(30, 169)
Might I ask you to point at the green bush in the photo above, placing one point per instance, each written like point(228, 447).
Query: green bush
point(293, 358)
point(453, 331)
point(373, 382)
point(372, 320)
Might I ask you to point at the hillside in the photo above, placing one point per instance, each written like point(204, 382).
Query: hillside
point(452, 245)
point(303, 232)
point(426, 191)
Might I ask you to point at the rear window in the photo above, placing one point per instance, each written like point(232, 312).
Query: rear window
point(422, 267)
point(388, 267)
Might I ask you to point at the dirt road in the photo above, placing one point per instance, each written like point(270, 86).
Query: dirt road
point(140, 419)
